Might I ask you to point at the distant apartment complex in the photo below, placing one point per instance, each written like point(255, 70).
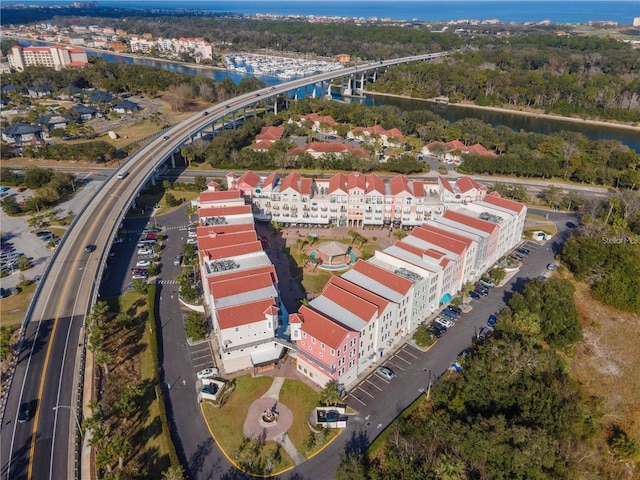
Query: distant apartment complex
point(354, 199)
point(368, 310)
point(199, 48)
point(57, 57)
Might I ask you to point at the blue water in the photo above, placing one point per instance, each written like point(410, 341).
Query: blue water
point(559, 11)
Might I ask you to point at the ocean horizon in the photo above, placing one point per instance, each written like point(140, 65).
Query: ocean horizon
point(506, 11)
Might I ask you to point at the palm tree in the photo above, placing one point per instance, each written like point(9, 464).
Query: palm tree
point(330, 394)
point(174, 473)
point(400, 234)
point(103, 358)
point(190, 210)
point(120, 447)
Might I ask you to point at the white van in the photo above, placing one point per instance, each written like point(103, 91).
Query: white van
point(123, 174)
point(145, 251)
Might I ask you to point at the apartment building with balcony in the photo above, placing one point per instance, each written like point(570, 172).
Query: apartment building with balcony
point(56, 57)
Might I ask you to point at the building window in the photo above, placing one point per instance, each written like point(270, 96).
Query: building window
point(304, 335)
point(313, 340)
point(322, 346)
point(332, 351)
point(237, 329)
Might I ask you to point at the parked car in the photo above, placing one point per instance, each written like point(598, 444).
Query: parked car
point(143, 263)
point(449, 313)
point(192, 241)
point(492, 320)
point(386, 373)
point(145, 251)
point(211, 389)
point(481, 290)
point(207, 373)
point(177, 260)
point(445, 322)
point(139, 276)
point(438, 332)
point(486, 283)
point(485, 332)
point(455, 308)
point(552, 266)
point(517, 257)
point(118, 240)
point(524, 251)
point(474, 294)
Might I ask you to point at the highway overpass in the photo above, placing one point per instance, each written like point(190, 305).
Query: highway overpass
point(49, 369)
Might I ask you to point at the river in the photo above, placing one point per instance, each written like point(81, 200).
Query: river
point(514, 121)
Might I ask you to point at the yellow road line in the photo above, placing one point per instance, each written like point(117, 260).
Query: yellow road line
point(48, 354)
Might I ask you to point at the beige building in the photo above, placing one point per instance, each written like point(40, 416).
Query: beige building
point(52, 57)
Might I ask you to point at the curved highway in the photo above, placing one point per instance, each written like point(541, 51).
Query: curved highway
point(48, 371)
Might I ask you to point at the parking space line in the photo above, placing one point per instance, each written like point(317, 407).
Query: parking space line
point(365, 391)
point(408, 353)
point(394, 365)
point(202, 355)
point(397, 355)
point(371, 383)
point(353, 396)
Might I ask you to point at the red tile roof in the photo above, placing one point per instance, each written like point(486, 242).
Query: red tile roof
point(375, 184)
point(319, 147)
point(338, 183)
point(380, 302)
point(249, 178)
point(218, 196)
point(445, 183)
point(270, 133)
point(495, 199)
point(385, 277)
point(236, 286)
point(237, 315)
point(231, 251)
point(474, 222)
point(208, 239)
point(455, 145)
point(322, 328)
point(350, 302)
point(270, 180)
point(262, 145)
point(479, 150)
point(442, 238)
point(467, 183)
point(356, 180)
point(400, 184)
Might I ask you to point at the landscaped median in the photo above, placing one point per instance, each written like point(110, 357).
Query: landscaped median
point(268, 457)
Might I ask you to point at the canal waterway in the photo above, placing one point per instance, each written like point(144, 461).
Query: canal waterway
point(451, 113)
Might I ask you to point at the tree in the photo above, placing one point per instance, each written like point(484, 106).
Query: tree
point(399, 234)
point(551, 195)
point(330, 394)
point(352, 467)
point(174, 473)
point(196, 326)
point(120, 448)
point(498, 274)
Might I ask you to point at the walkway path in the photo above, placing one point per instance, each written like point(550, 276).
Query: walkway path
point(254, 428)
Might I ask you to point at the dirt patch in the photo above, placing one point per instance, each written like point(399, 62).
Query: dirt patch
point(606, 361)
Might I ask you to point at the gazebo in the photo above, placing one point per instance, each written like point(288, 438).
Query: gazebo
point(330, 251)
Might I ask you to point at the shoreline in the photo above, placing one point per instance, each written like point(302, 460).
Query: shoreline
point(550, 116)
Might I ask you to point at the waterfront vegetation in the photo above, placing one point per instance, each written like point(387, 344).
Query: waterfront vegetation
point(585, 77)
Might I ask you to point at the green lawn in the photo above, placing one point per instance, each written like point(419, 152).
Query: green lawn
point(227, 422)
point(14, 308)
point(300, 399)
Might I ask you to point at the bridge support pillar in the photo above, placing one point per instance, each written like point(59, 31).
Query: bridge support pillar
point(153, 179)
point(173, 160)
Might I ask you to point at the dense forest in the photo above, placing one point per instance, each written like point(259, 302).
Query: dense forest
point(572, 76)
point(605, 250)
point(513, 412)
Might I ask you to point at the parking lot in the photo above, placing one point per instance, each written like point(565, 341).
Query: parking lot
point(365, 392)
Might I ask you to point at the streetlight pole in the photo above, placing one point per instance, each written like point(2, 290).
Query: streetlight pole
point(429, 386)
point(73, 410)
